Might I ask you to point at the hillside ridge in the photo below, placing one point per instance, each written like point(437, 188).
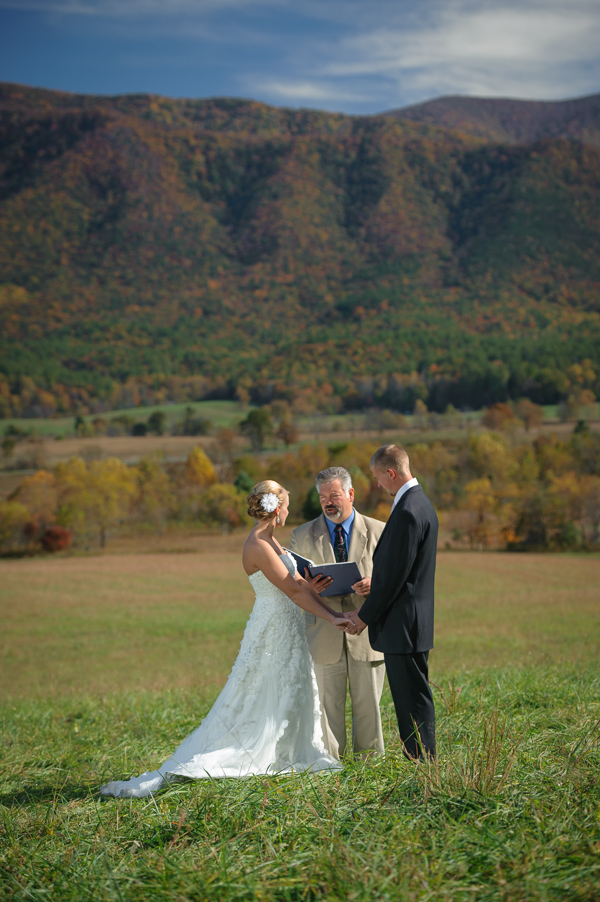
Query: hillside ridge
point(235, 248)
point(505, 119)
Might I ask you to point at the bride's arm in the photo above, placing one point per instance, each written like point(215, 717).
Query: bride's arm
point(316, 596)
point(265, 559)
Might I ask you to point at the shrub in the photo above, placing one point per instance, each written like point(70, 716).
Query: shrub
point(14, 518)
point(57, 538)
point(222, 505)
point(498, 416)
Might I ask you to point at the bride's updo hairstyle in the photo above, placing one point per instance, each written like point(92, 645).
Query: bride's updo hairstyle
point(263, 510)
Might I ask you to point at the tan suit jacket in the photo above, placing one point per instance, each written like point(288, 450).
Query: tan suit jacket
point(311, 540)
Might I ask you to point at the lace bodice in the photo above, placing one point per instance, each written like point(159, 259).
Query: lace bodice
point(265, 588)
point(275, 618)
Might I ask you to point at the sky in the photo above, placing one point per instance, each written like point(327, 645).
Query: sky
point(351, 56)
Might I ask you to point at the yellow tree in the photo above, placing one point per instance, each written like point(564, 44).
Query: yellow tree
point(94, 499)
point(154, 492)
point(490, 456)
point(39, 493)
point(481, 524)
point(112, 488)
point(199, 469)
point(14, 517)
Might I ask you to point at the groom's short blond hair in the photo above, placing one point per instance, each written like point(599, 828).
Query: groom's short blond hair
point(391, 457)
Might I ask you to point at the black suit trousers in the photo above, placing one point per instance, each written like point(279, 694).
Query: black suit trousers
point(408, 676)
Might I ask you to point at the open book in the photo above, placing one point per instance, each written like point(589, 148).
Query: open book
point(343, 575)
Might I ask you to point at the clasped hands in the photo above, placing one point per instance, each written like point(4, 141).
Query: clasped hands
point(347, 621)
point(354, 625)
point(350, 622)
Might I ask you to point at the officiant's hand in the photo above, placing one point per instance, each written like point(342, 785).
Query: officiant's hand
point(363, 586)
point(358, 625)
point(319, 583)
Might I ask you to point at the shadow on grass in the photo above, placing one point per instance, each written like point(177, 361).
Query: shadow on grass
point(39, 793)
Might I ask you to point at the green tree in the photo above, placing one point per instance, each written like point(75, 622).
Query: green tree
point(157, 422)
point(258, 427)
point(311, 506)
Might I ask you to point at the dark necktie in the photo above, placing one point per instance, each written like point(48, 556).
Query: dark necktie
point(339, 545)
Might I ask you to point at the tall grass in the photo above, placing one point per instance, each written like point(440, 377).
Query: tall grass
point(509, 810)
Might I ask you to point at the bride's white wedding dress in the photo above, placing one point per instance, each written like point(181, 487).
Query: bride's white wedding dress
point(267, 718)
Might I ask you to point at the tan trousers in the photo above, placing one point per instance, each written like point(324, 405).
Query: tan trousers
point(365, 679)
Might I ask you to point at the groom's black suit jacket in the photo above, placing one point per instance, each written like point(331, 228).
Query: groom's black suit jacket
point(399, 608)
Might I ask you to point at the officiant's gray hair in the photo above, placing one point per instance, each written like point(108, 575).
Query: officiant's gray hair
point(332, 473)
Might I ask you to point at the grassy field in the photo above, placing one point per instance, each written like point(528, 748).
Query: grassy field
point(221, 413)
point(43, 450)
point(110, 660)
point(99, 624)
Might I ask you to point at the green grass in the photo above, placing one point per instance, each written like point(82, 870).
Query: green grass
point(221, 413)
point(509, 812)
point(112, 660)
point(98, 624)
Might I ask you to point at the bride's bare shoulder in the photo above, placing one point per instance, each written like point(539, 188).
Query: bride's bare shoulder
point(257, 552)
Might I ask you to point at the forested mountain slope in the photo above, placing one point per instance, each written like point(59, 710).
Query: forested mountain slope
point(193, 248)
point(512, 121)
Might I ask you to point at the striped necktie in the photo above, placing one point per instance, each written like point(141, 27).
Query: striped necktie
point(339, 545)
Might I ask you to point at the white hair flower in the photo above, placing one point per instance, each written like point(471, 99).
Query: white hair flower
point(269, 502)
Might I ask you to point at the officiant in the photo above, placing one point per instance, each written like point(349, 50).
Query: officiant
point(343, 662)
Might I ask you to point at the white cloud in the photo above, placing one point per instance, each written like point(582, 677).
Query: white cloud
point(374, 53)
point(309, 91)
point(521, 50)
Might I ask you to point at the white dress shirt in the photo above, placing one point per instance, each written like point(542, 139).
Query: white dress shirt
point(407, 485)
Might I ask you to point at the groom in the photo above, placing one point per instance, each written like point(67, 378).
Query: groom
point(399, 609)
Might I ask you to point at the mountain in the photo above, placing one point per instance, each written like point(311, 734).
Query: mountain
point(511, 121)
point(168, 249)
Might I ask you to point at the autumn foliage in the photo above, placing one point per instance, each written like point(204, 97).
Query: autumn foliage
point(155, 250)
point(492, 489)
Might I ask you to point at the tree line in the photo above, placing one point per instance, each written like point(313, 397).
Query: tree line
point(551, 379)
point(493, 489)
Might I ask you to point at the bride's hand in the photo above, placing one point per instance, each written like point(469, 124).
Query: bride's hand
point(343, 623)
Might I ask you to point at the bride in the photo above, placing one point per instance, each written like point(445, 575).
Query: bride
point(267, 718)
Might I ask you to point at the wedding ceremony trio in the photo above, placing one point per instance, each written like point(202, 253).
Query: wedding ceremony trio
point(282, 709)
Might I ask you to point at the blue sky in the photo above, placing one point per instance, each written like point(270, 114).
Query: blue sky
point(354, 56)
